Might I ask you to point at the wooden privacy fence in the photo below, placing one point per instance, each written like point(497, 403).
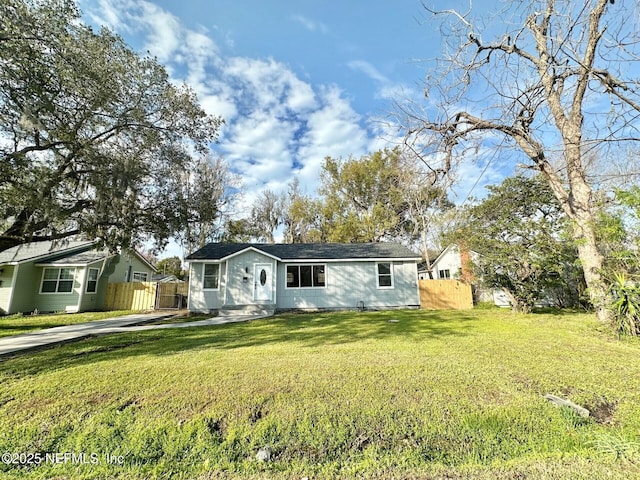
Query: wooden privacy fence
point(145, 296)
point(445, 295)
point(172, 295)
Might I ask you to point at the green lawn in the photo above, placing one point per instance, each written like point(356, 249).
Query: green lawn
point(340, 395)
point(17, 324)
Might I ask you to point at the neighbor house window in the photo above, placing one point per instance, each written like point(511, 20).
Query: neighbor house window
point(444, 274)
point(140, 276)
point(385, 275)
point(57, 280)
point(306, 276)
point(92, 280)
point(211, 277)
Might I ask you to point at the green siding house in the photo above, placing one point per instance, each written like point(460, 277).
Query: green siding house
point(64, 277)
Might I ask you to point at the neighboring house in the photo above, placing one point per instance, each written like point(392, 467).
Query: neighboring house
point(165, 278)
point(451, 264)
point(302, 276)
point(65, 276)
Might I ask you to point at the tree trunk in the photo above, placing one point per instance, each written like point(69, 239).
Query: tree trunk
point(579, 207)
point(592, 263)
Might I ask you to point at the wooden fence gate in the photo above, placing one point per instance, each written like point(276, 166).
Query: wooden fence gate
point(445, 295)
point(145, 296)
point(172, 295)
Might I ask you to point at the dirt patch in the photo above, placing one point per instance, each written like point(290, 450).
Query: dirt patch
point(603, 410)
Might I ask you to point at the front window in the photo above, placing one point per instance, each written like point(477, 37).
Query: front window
point(385, 275)
point(92, 280)
point(306, 276)
point(140, 276)
point(57, 280)
point(211, 277)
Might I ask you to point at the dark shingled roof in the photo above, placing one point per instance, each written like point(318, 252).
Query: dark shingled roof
point(308, 251)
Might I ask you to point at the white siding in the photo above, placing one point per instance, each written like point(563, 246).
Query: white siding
point(239, 291)
point(348, 283)
point(201, 300)
point(449, 260)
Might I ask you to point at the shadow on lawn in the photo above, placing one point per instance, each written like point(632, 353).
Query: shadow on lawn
point(300, 330)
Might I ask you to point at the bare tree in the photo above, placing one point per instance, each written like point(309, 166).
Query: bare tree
point(207, 194)
point(556, 83)
point(267, 214)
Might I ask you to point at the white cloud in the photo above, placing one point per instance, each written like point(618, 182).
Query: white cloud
point(369, 70)
point(311, 25)
point(334, 130)
point(267, 84)
point(277, 124)
point(386, 88)
point(108, 14)
point(163, 31)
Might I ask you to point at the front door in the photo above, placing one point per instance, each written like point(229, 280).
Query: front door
point(262, 282)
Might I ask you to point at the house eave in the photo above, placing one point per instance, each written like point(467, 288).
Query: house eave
point(307, 260)
point(235, 254)
point(39, 258)
point(350, 259)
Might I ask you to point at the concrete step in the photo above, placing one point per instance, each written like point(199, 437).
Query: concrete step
point(230, 310)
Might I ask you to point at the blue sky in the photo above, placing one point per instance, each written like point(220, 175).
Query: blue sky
point(295, 81)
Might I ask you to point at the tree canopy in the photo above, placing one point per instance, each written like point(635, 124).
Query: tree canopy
point(170, 266)
point(94, 139)
point(377, 197)
point(519, 233)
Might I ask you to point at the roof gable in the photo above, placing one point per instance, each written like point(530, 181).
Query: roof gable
point(60, 253)
point(308, 251)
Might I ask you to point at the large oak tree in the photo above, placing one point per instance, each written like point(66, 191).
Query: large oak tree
point(94, 139)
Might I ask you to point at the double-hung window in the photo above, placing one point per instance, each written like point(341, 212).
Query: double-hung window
point(211, 276)
point(57, 280)
point(92, 280)
point(384, 271)
point(306, 276)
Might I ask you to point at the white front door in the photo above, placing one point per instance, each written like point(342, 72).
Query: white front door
point(262, 282)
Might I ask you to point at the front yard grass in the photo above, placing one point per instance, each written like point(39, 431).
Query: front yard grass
point(398, 394)
point(17, 324)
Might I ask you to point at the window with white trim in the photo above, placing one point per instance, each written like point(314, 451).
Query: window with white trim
point(140, 276)
point(92, 280)
point(444, 274)
point(211, 276)
point(57, 280)
point(306, 276)
point(384, 271)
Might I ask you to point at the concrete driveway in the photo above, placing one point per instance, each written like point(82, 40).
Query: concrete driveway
point(128, 323)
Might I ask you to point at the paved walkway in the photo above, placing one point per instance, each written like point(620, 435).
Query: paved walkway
point(128, 323)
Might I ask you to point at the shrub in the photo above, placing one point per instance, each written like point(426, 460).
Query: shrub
point(626, 305)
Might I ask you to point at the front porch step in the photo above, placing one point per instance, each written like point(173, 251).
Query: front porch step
point(230, 310)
